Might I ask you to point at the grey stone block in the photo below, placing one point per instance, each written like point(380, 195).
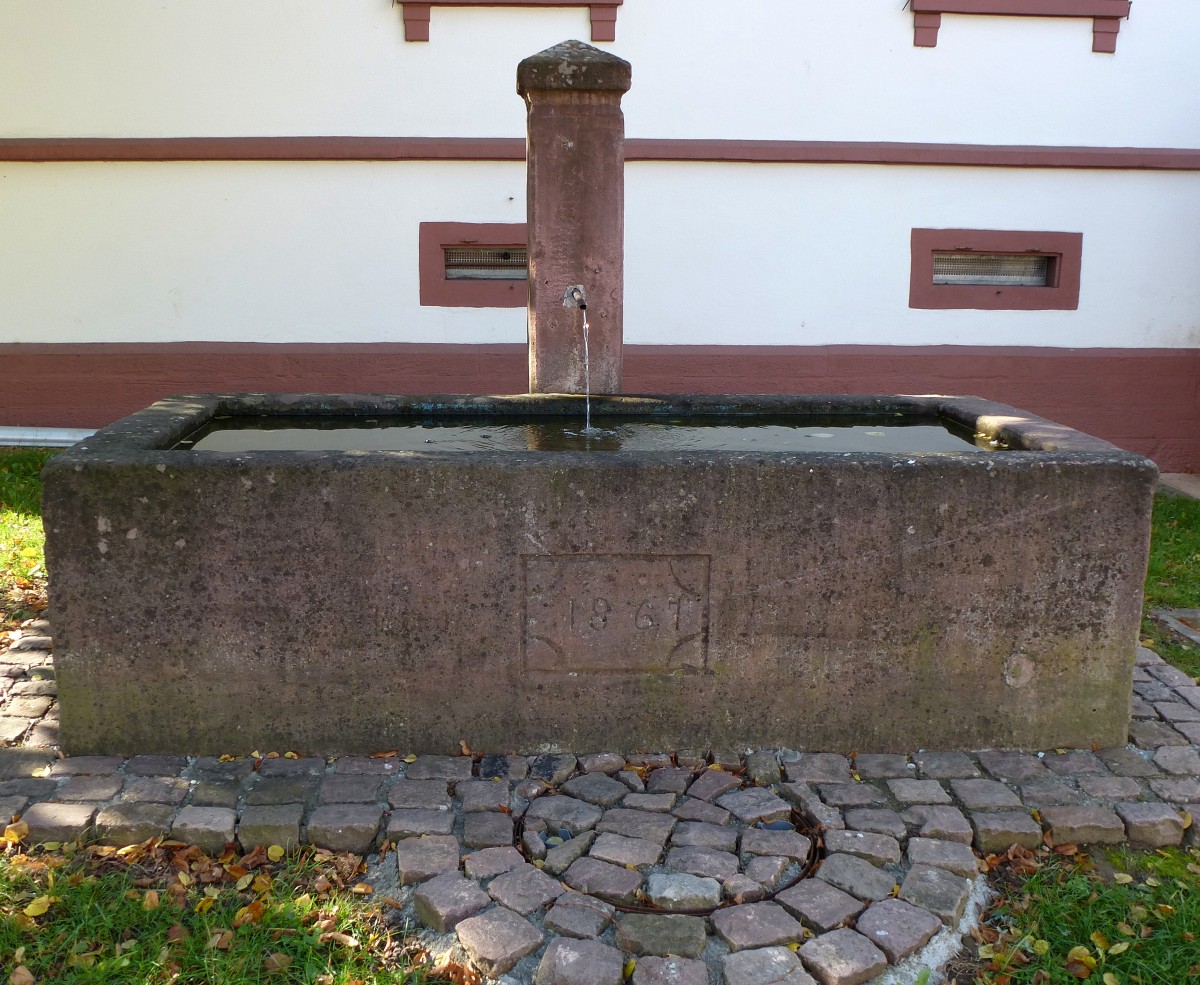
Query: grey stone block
point(946, 765)
point(93, 788)
point(596, 788)
point(1178, 760)
point(610, 883)
point(875, 848)
point(439, 768)
point(713, 783)
point(690, 809)
point(487, 863)
point(918, 791)
point(682, 891)
point(882, 766)
point(487, 830)
point(661, 934)
point(818, 767)
point(525, 889)
point(131, 824)
point(80, 765)
point(842, 957)
point(420, 858)
point(405, 823)
point(344, 827)
point(997, 832)
point(580, 962)
point(171, 790)
point(856, 876)
point(350, 788)
point(851, 794)
point(984, 795)
point(878, 820)
point(1179, 790)
point(577, 915)
point(636, 852)
point(940, 892)
point(1127, 762)
point(697, 834)
point(755, 804)
point(818, 905)
point(789, 844)
point(497, 939)
point(656, 803)
point(670, 971)
point(632, 824)
point(156, 766)
point(952, 856)
point(281, 790)
point(1017, 767)
point(554, 768)
point(1153, 825)
point(753, 925)
point(430, 795)
point(762, 768)
point(1055, 793)
point(213, 791)
point(562, 857)
point(563, 811)
point(444, 900)
point(703, 862)
point(669, 779)
point(897, 928)
point(1084, 825)
point(764, 966)
point(209, 828)
point(1111, 787)
point(602, 762)
point(274, 824)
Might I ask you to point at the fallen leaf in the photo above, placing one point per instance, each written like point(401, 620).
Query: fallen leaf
point(21, 976)
point(339, 938)
point(150, 900)
point(1100, 941)
point(1041, 947)
point(222, 940)
point(1111, 979)
point(1077, 969)
point(466, 749)
point(244, 882)
point(291, 755)
point(39, 906)
point(627, 971)
point(1122, 878)
point(275, 853)
point(388, 754)
point(1119, 948)
point(204, 904)
point(251, 913)
point(410, 758)
point(178, 932)
point(276, 962)
point(362, 889)
point(15, 832)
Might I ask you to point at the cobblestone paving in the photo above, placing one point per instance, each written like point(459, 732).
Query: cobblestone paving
point(558, 869)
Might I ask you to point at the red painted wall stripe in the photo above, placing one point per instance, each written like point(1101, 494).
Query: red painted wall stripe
point(101, 149)
point(1145, 400)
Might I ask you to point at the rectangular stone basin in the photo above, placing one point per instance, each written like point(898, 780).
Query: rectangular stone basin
point(359, 601)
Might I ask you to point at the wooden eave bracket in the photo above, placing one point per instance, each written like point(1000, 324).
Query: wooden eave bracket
point(1106, 16)
point(604, 15)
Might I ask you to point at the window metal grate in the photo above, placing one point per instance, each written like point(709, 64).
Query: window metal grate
point(993, 269)
point(486, 262)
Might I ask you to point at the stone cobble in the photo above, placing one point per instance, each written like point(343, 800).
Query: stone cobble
point(558, 869)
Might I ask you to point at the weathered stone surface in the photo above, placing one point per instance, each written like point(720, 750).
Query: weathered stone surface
point(882, 766)
point(946, 766)
point(562, 857)
point(755, 804)
point(661, 934)
point(275, 824)
point(952, 856)
point(1017, 767)
point(215, 791)
point(656, 803)
point(818, 905)
point(444, 900)
point(420, 858)
point(875, 848)
point(880, 820)
point(702, 862)
point(1055, 793)
point(28, 706)
point(1179, 790)
point(1170, 675)
point(754, 925)
point(940, 892)
point(577, 915)
point(368, 766)
point(842, 957)
point(131, 824)
point(1111, 787)
point(209, 828)
point(818, 767)
point(281, 790)
point(596, 788)
point(669, 779)
point(682, 891)
point(602, 762)
point(811, 806)
point(670, 971)
point(1178, 760)
point(697, 834)
point(1075, 762)
point(632, 780)
point(999, 831)
point(789, 844)
point(419, 795)
point(487, 863)
point(856, 876)
point(918, 791)
point(576, 816)
point(984, 795)
point(766, 870)
point(1151, 735)
point(496, 767)
point(282, 766)
point(762, 767)
point(712, 783)
point(72, 766)
point(580, 962)
point(404, 823)
point(554, 768)
point(93, 788)
point(637, 824)
point(345, 827)
point(439, 768)
point(1177, 712)
point(1084, 825)
point(171, 790)
point(1154, 825)
point(155, 765)
point(35, 788)
point(897, 928)
point(636, 852)
point(525, 889)
point(851, 794)
point(487, 830)
point(498, 939)
point(764, 966)
point(481, 795)
point(11, 806)
point(350, 789)
point(604, 880)
point(690, 809)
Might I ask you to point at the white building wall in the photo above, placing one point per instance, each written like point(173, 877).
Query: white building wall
point(715, 254)
point(754, 69)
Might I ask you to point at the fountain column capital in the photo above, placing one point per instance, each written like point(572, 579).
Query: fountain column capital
point(575, 175)
point(576, 67)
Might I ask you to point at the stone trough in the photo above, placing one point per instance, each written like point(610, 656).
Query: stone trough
point(354, 601)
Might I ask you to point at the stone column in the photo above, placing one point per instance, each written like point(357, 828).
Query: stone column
point(576, 217)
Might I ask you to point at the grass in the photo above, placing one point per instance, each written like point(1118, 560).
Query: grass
point(166, 913)
point(22, 544)
point(1129, 918)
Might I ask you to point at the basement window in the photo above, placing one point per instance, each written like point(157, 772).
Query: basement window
point(995, 269)
point(474, 264)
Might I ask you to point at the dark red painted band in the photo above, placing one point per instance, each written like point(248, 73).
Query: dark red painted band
point(1142, 399)
point(101, 149)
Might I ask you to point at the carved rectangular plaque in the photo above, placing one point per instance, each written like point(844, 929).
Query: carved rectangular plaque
point(604, 613)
